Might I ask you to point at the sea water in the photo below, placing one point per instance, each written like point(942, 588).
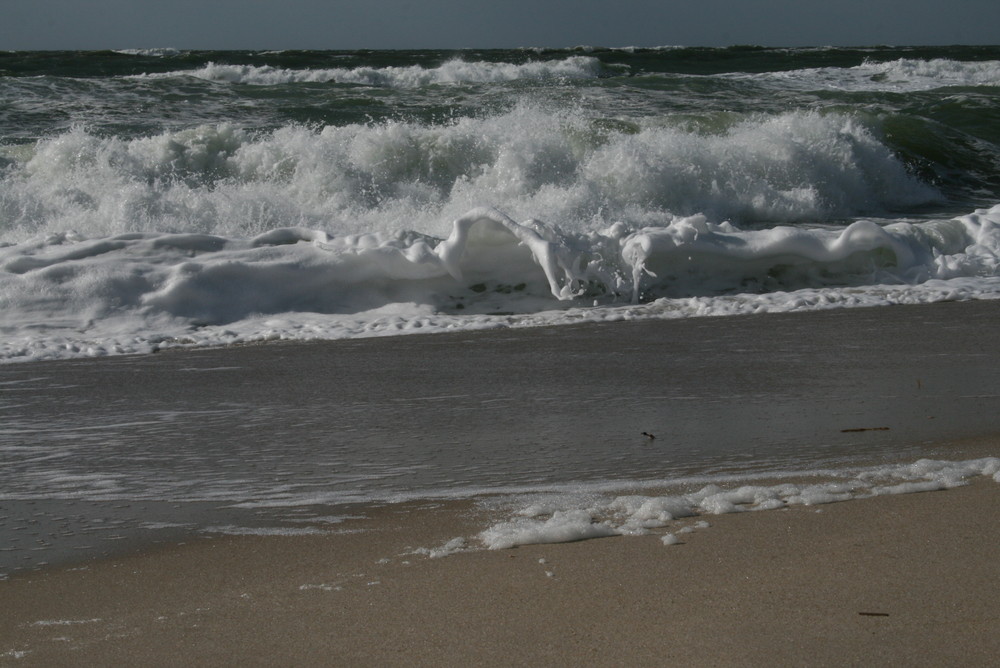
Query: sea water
point(157, 198)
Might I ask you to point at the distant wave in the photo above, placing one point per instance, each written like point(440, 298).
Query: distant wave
point(454, 71)
point(627, 49)
point(152, 53)
point(900, 75)
point(934, 73)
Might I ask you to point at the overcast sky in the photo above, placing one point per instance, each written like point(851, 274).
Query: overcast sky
point(446, 24)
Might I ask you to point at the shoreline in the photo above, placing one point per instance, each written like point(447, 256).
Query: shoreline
point(477, 412)
point(903, 579)
point(487, 507)
point(183, 348)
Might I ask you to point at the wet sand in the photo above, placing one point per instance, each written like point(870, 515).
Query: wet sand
point(904, 580)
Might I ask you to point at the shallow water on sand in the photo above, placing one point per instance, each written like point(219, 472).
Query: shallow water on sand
point(266, 437)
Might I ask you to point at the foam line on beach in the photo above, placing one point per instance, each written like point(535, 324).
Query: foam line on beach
point(574, 517)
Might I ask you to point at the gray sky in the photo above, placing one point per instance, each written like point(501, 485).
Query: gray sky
point(381, 24)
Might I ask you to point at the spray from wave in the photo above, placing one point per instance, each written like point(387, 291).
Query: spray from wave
point(526, 214)
point(577, 172)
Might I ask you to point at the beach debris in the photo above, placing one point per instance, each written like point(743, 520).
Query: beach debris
point(874, 614)
point(844, 431)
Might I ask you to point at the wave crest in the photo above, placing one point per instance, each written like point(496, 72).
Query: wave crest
point(414, 76)
point(581, 173)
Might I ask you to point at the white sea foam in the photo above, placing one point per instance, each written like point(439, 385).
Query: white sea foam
point(132, 293)
point(65, 622)
point(557, 166)
point(215, 235)
point(449, 548)
point(580, 517)
point(561, 527)
point(234, 530)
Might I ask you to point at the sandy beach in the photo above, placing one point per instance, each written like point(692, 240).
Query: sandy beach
point(904, 580)
point(893, 580)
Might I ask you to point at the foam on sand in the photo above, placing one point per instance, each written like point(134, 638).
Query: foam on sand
point(557, 521)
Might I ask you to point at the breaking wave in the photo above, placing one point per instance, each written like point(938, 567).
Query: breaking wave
point(414, 76)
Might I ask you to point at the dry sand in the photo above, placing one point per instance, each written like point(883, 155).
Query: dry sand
point(905, 580)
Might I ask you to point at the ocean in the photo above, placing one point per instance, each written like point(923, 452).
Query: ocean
point(161, 198)
point(156, 200)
